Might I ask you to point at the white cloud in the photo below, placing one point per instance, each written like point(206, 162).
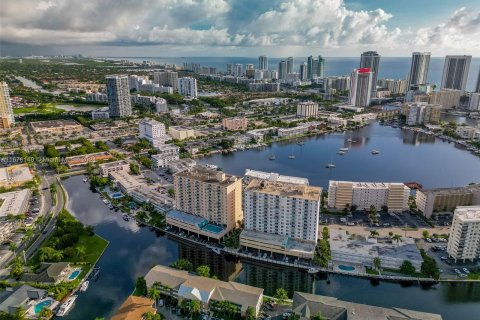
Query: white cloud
point(323, 24)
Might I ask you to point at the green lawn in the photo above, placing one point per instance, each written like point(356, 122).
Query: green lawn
point(49, 109)
point(94, 248)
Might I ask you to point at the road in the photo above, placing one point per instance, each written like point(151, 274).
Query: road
point(46, 210)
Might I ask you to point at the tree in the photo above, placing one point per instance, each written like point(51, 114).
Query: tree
point(80, 251)
point(134, 169)
point(250, 314)
point(407, 268)
point(171, 192)
point(281, 295)
point(429, 266)
point(182, 264)
point(154, 294)
point(13, 247)
point(203, 271)
point(141, 287)
point(377, 263)
point(20, 313)
point(45, 314)
point(53, 188)
point(318, 316)
point(195, 307)
point(374, 234)
point(16, 270)
point(425, 234)
point(397, 238)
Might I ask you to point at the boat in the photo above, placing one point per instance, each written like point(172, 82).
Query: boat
point(313, 270)
point(110, 206)
point(349, 140)
point(291, 156)
point(84, 286)
point(330, 166)
point(85, 180)
point(125, 217)
point(340, 152)
point(301, 143)
point(272, 157)
point(343, 149)
point(66, 306)
point(375, 151)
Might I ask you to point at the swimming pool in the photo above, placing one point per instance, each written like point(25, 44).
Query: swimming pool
point(346, 268)
point(212, 228)
point(41, 305)
point(74, 274)
point(116, 195)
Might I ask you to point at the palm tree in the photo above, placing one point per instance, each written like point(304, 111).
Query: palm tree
point(374, 233)
point(80, 251)
point(377, 264)
point(154, 294)
point(397, 238)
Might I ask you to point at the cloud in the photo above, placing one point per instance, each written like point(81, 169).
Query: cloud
point(324, 24)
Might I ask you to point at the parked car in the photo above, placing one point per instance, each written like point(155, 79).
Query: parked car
point(466, 270)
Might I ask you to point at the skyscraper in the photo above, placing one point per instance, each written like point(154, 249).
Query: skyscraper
point(371, 59)
point(419, 68)
point(455, 72)
point(6, 111)
point(477, 87)
point(310, 68)
point(360, 87)
point(118, 95)
point(290, 65)
point(303, 71)
point(263, 62)
point(282, 69)
point(320, 67)
point(166, 78)
point(187, 87)
point(237, 70)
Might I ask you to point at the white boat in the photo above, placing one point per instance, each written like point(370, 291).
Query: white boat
point(272, 157)
point(84, 286)
point(66, 306)
point(374, 151)
point(341, 152)
point(313, 270)
point(330, 166)
point(291, 156)
point(85, 180)
point(343, 149)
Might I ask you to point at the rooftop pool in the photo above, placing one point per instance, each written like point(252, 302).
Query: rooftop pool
point(346, 268)
point(212, 228)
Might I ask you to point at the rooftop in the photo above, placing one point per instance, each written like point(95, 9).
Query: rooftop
point(370, 185)
point(454, 190)
point(468, 213)
point(134, 308)
point(114, 164)
point(285, 189)
point(18, 296)
point(13, 202)
point(54, 123)
point(15, 174)
point(208, 174)
point(273, 176)
point(285, 242)
point(126, 180)
point(308, 305)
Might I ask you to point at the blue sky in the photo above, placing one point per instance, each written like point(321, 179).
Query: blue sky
point(239, 27)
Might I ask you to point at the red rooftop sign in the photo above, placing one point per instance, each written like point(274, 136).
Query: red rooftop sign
point(363, 70)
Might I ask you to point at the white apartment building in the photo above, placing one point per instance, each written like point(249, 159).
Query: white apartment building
point(468, 132)
point(291, 132)
point(464, 240)
point(161, 105)
point(307, 109)
point(115, 166)
point(187, 87)
point(100, 113)
point(360, 87)
point(151, 129)
point(167, 153)
point(282, 208)
point(364, 194)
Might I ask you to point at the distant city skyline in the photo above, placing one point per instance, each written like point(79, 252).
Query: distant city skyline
point(245, 28)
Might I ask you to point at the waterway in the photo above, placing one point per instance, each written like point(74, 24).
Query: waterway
point(405, 156)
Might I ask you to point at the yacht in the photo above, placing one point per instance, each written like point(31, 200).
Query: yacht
point(340, 152)
point(375, 151)
point(66, 306)
point(84, 286)
point(343, 149)
point(272, 157)
point(330, 166)
point(291, 156)
point(125, 217)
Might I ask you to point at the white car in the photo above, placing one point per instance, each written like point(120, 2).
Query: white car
point(466, 270)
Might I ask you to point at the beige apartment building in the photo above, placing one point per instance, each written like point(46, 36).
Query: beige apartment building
point(464, 240)
point(6, 112)
point(235, 124)
point(181, 133)
point(211, 194)
point(365, 194)
point(447, 98)
point(56, 126)
point(446, 199)
point(307, 109)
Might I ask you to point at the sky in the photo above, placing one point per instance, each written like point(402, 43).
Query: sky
point(238, 28)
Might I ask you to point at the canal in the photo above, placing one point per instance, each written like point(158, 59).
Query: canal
point(405, 156)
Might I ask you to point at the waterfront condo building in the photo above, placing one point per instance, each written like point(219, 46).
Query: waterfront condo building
point(315, 67)
point(447, 98)
point(371, 59)
point(455, 72)
point(166, 153)
point(181, 133)
point(187, 87)
point(446, 199)
point(281, 217)
point(6, 111)
point(118, 94)
point(365, 194)
point(263, 63)
point(418, 69)
point(234, 124)
point(464, 240)
point(307, 109)
point(166, 78)
point(421, 113)
point(360, 87)
point(209, 193)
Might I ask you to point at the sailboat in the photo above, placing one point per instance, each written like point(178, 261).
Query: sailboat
point(291, 156)
point(330, 165)
point(272, 157)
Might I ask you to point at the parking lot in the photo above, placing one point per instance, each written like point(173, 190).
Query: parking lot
point(385, 220)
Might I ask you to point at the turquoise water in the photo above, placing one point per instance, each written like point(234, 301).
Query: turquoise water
point(40, 306)
point(74, 274)
point(117, 195)
point(346, 268)
point(213, 228)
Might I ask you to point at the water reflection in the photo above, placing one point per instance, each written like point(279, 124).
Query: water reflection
point(416, 138)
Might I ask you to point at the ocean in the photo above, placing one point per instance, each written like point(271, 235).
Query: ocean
point(396, 68)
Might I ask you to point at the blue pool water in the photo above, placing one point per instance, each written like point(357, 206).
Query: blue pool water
point(41, 305)
point(116, 195)
point(213, 228)
point(346, 268)
point(74, 274)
